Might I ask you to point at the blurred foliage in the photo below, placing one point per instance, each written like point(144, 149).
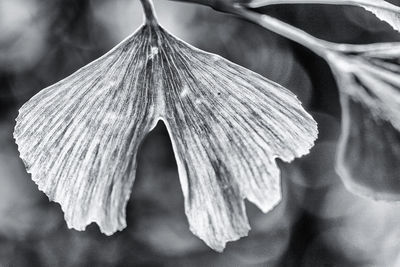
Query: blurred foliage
point(317, 224)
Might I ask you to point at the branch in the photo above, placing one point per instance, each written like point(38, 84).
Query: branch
point(318, 46)
point(375, 3)
point(381, 9)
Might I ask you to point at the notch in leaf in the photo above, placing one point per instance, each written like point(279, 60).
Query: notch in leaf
point(79, 137)
point(369, 148)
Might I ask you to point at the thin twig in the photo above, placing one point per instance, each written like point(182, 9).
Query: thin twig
point(318, 46)
point(321, 47)
point(358, 3)
point(261, 3)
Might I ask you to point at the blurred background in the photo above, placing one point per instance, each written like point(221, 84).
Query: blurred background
point(318, 223)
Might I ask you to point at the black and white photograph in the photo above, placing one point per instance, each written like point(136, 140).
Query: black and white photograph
point(199, 133)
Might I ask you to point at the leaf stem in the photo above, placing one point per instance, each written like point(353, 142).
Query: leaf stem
point(318, 46)
point(149, 13)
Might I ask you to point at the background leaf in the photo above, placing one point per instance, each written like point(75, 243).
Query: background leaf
point(369, 149)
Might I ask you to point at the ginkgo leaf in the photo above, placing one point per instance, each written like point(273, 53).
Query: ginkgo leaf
point(79, 138)
point(369, 150)
point(383, 10)
point(227, 128)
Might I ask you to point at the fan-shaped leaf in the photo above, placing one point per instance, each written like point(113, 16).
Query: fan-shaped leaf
point(227, 128)
point(369, 150)
point(79, 138)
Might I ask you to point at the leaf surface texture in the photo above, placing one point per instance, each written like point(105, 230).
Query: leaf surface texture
point(79, 138)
